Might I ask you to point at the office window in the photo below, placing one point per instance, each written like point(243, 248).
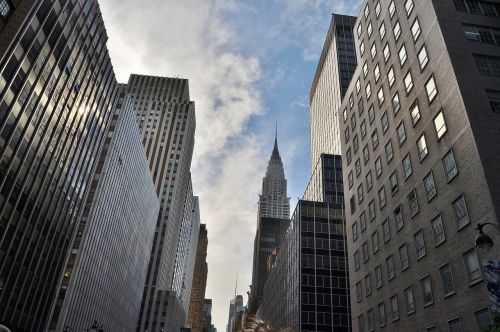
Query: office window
point(386, 230)
point(362, 47)
point(413, 203)
point(389, 151)
point(375, 244)
point(384, 121)
point(360, 193)
point(487, 65)
point(394, 308)
point(390, 77)
point(369, 181)
point(353, 121)
point(368, 90)
point(366, 154)
point(359, 292)
point(483, 320)
point(440, 125)
point(398, 218)
point(392, 9)
point(381, 314)
point(455, 325)
point(393, 183)
point(378, 167)
point(381, 197)
point(363, 129)
point(365, 69)
point(415, 113)
point(371, 114)
point(391, 273)
point(401, 133)
point(410, 301)
point(359, 29)
point(408, 7)
point(447, 280)
point(357, 166)
point(423, 58)
point(377, 9)
point(494, 99)
point(371, 210)
point(378, 276)
point(356, 260)
point(397, 30)
point(352, 203)
point(438, 230)
point(431, 89)
point(350, 178)
point(381, 97)
point(472, 267)
point(369, 29)
point(364, 251)
point(402, 55)
point(450, 166)
point(362, 221)
point(403, 256)
point(460, 212)
point(345, 114)
point(373, 51)
point(346, 134)
point(396, 106)
point(369, 319)
point(419, 244)
point(407, 170)
point(422, 148)
point(376, 72)
point(415, 29)
point(426, 286)
point(355, 143)
point(358, 86)
point(375, 139)
point(381, 30)
point(387, 52)
point(361, 107)
point(361, 323)
point(348, 156)
point(367, 11)
point(408, 82)
point(430, 187)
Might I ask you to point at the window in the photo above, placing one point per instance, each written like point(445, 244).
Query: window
point(381, 314)
point(385, 122)
point(423, 58)
point(393, 183)
point(367, 11)
point(370, 29)
point(415, 29)
point(455, 325)
point(386, 230)
point(419, 244)
point(378, 276)
point(447, 280)
point(381, 197)
point(368, 90)
point(397, 30)
point(368, 181)
point(450, 166)
point(408, 7)
point(371, 114)
point(483, 320)
point(413, 203)
point(403, 256)
point(394, 308)
point(438, 230)
point(391, 273)
point(360, 193)
point(422, 148)
point(362, 47)
point(364, 251)
point(355, 143)
point(358, 86)
point(378, 167)
point(472, 268)
point(389, 152)
point(381, 30)
point(381, 97)
point(392, 9)
point(407, 171)
point(415, 113)
point(365, 69)
point(350, 178)
point(356, 260)
point(345, 114)
point(346, 134)
point(362, 221)
point(398, 218)
point(377, 9)
point(440, 125)
point(375, 139)
point(401, 133)
point(387, 52)
point(402, 55)
point(408, 82)
point(363, 129)
point(361, 107)
point(371, 210)
point(487, 65)
point(494, 99)
point(369, 319)
point(460, 212)
point(430, 187)
point(425, 283)
point(376, 72)
point(358, 167)
point(359, 29)
point(431, 89)
point(359, 292)
point(361, 323)
point(353, 121)
point(348, 156)
point(396, 106)
point(373, 51)
point(354, 231)
point(366, 154)
point(375, 242)
point(410, 301)
point(390, 77)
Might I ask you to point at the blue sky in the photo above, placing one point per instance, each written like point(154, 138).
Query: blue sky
point(249, 63)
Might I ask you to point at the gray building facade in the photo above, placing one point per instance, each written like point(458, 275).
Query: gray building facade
point(57, 88)
point(419, 130)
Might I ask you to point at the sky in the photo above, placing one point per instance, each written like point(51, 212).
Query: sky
point(250, 64)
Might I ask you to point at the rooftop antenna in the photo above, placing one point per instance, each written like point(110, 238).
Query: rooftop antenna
point(235, 307)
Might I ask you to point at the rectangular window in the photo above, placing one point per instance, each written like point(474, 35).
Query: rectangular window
point(390, 76)
point(419, 244)
point(488, 65)
point(366, 154)
point(408, 7)
point(430, 187)
point(447, 280)
point(438, 230)
point(378, 167)
point(431, 89)
point(483, 320)
point(413, 203)
point(371, 114)
point(370, 29)
point(377, 9)
point(355, 143)
point(362, 221)
point(362, 47)
point(427, 296)
point(369, 181)
point(423, 57)
point(440, 125)
point(375, 139)
point(455, 325)
point(361, 324)
point(358, 86)
point(407, 170)
point(365, 69)
point(357, 166)
point(369, 319)
point(397, 30)
point(356, 260)
point(362, 127)
point(393, 183)
point(394, 308)
point(381, 314)
point(373, 51)
point(398, 218)
point(422, 148)
point(350, 178)
point(367, 11)
point(359, 29)
point(402, 55)
point(387, 52)
point(410, 301)
point(401, 133)
point(415, 113)
point(384, 120)
point(375, 244)
point(494, 99)
point(371, 210)
point(472, 267)
point(380, 96)
point(364, 251)
point(403, 255)
point(391, 273)
point(460, 212)
point(353, 122)
point(381, 30)
point(381, 197)
point(368, 90)
point(361, 107)
point(348, 156)
point(359, 292)
point(392, 9)
point(355, 231)
point(386, 230)
point(450, 166)
point(408, 82)
point(415, 29)
point(368, 284)
point(346, 135)
point(389, 152)
point(378, 276)
point(396, 106)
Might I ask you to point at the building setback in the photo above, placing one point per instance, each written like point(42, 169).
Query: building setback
point(57, 88)
point(419, 132)
point(104, 276)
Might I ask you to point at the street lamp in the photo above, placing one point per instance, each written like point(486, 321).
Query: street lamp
point(483, 241)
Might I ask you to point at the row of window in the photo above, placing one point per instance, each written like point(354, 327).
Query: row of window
point(478, 7)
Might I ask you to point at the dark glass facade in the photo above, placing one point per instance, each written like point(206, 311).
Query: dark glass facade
point(57, 88)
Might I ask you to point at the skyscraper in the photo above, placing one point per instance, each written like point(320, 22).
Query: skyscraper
point(195, 315)
point(57, 88)
point(235, 308)
point(104, 276)
point(166, 119)
point(419, 131)
point(272, 221)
